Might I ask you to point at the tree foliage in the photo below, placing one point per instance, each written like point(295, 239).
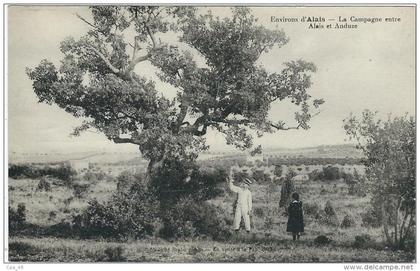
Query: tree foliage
point(390, 158)
point(212, 65)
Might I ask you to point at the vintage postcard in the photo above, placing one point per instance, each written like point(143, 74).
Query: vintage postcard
point(211, 134)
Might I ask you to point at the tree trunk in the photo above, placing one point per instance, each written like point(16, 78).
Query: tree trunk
point(153, 167)
point(396, 223)
point(385, 223)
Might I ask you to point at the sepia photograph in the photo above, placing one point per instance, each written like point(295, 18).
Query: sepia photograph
point(169, 133)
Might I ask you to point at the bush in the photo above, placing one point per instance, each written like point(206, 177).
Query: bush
point(93, 177)
point(328, 173)
point(329, 217)
point(329, 209)
point(314, 175)
point(259, 212)
point(371, 218)
point(125, 180)
point(189, 218)
point(278, 171)
point(52, 215)
point(312, 210)
point(362, 241)
point(62, 171)
point(355, 184)
point(17, 218)
point(20, 171)
point(128, 214)
point(322, 240)
point(19, 251)
point(348, 222)
point(43, 184)
point(331, 173)
point(268, 223)
point(80, 189)
point(287, 189)
point(193, 250)
point(114, 254)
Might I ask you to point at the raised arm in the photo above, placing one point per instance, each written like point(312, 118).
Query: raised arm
point(233, 187)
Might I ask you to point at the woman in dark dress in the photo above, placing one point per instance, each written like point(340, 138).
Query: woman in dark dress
point(295, 221)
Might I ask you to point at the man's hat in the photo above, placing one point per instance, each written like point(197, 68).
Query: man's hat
point(247, 181)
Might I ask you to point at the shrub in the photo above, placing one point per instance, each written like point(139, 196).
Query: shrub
point(193, 250)
point(23, 171)
point(278, 171)
point(52, 215)
point(322, 240)
point(259, 212)
point(80, 189)
point(115, 254)
point(329, 217)
point(329, 209)
point(17, 217)
point(331, 173)
point(189, 218)
point(324, 191)
point(371, 218)
point(268, 223)
point(43, 184)
point(287, 189)
point(126, 214)
point(362, 241)
point(314, 175)
point(348, 222)
point(93, 177)
point(18, 251)
point(312, 210)
point(67, 201)
point(62, 171)
point(125, 180)
point(355, 184)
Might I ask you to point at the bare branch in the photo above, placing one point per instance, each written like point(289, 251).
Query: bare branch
point(120, 140)
point(152, 37)
point(278, 127)
point(137, 61)
point(283, 128)
point(86, 21)
point(91, 24)
point(103, 57)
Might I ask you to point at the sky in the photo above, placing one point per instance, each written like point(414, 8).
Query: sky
point(370, 67)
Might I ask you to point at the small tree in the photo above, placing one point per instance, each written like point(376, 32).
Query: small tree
point(278, 171)
point(287, 188)
point(390, 159)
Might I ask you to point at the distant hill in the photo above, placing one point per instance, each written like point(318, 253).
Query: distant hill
point(324, 151)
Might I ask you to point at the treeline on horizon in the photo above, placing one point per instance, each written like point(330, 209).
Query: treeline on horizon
point(287, 161)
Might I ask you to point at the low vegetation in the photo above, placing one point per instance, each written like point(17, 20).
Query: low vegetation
point(114, 219)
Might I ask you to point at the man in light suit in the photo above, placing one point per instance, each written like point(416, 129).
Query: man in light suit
point(243, 204)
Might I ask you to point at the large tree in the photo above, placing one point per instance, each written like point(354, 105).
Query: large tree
point(212, 65)
point(390, 158)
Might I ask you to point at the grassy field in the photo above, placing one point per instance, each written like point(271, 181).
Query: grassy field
point(268, 241)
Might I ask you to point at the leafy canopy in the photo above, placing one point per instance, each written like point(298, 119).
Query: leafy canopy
point(97, 79)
